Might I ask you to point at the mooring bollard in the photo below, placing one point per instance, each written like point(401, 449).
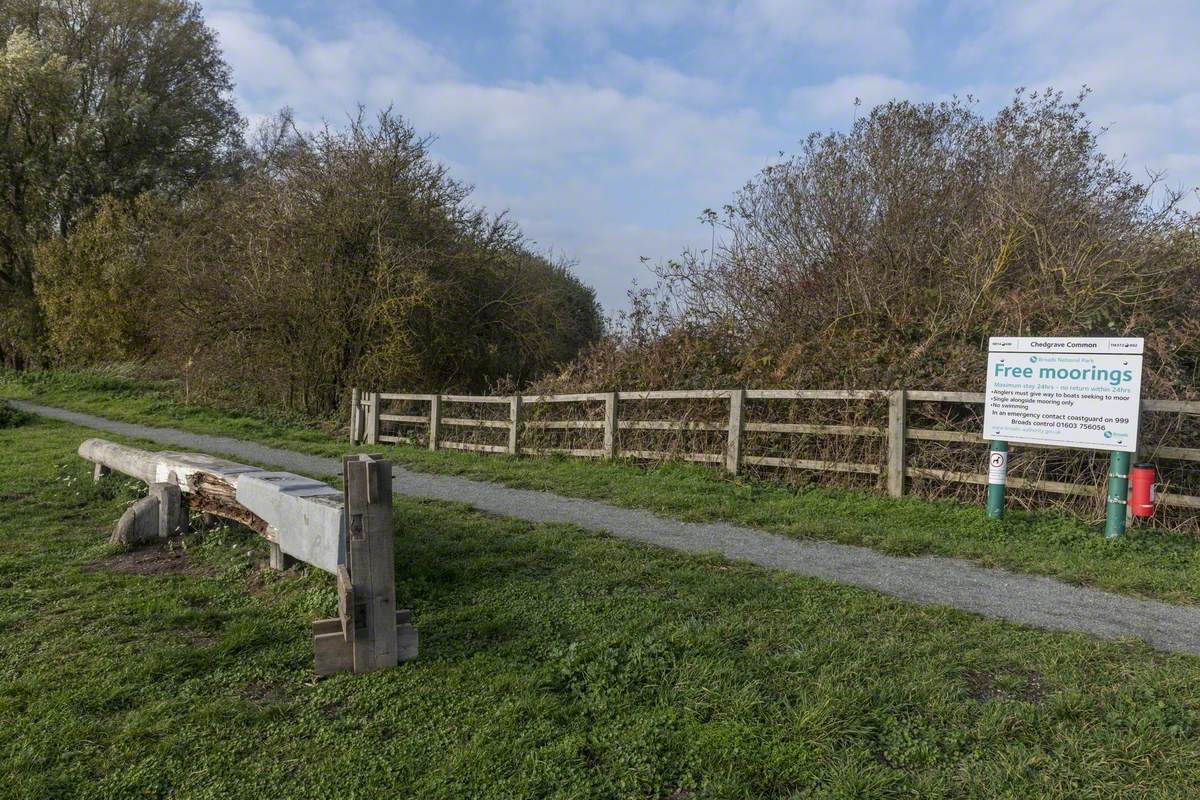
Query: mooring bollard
point(1118, 495)
point(997, 479)
point(368, 633)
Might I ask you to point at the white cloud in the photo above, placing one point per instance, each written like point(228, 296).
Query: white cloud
point(1140, 59)
point(660, 80)
point(865, 32)
point(651, 124)
point(629, 117)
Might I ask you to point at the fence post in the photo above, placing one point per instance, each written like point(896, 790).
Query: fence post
point(435, 420)
point(356, 416)
point(372, 417)
point(514, 425)
point(733, 446)
point(897, 419)
point(610, 425)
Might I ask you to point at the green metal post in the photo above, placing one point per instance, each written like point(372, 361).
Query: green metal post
point(1118, 494)
point(997, 479)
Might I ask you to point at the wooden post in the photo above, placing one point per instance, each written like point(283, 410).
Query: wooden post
point(355, 416)
point(372, 417)
point(610, 425)
point(514, 426)
point(279, 560)
point(370, 560)
point(435, 421)
point(897, 421)
point(172, 513)
point(733, 446)
point(369, 633)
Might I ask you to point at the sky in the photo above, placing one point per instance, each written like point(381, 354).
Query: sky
point(606, 128)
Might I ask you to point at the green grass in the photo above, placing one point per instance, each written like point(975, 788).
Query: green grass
point(1150, 563)
point(554, 663)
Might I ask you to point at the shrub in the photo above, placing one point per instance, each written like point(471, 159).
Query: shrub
point(13, 417)
point(352, 258)
point(94, 286)
point(885, 256)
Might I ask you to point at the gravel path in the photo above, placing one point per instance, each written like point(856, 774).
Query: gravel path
point(1028, 600)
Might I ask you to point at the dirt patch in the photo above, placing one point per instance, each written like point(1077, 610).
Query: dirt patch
point(1006, 684)
point(264, 693)
point(154, 560)
point(259, 581)
point(198, 640)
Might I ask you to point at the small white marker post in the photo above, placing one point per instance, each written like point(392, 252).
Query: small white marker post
point(997, 479)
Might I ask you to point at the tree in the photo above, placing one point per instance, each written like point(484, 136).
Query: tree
point(103, 98)
point(351, 257)
point(36, 88)
point(95, 287)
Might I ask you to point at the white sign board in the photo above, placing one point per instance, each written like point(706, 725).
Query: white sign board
point(1065, 392)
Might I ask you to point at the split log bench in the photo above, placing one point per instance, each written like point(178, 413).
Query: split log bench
point(348, 534)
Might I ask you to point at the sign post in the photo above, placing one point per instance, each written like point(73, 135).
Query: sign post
point(997, 479)
point(1065, 392)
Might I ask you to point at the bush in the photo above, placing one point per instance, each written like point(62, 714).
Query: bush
point(337, 258)
point(887, 255)
point(884, 257)
point(94, 287)
point(13, 417)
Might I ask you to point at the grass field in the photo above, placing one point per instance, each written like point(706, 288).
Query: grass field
point(554, 663)
point(1148, 563)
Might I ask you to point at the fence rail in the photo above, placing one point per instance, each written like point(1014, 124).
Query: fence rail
point(366, 420)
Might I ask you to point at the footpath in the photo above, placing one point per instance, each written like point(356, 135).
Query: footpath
point(930, 580)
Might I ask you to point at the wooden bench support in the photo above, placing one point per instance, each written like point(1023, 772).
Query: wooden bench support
point(332, 653)
point(368, 633)
point(280, 560)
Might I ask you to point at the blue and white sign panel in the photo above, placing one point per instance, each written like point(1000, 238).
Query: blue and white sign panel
point(1066, 392)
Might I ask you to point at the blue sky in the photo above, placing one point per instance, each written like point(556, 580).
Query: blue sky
point(605, 128)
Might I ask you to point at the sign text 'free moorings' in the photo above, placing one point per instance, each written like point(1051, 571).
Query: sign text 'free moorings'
point(1066, 392)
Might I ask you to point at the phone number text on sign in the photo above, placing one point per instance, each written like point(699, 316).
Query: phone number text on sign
point(1064, 391)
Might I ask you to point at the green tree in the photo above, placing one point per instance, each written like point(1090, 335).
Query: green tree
point(351, 257)
point(93, 286)
point(36, 89)
point(99, 98)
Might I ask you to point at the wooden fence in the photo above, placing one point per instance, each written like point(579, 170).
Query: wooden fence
point(367, 425)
